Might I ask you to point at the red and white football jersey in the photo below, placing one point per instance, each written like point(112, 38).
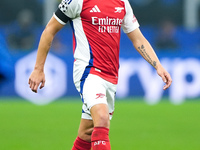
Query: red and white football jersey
point(96, 28)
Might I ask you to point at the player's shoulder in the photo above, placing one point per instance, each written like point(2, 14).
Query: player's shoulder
point(69, 3)
point(71, 7)
point(126, 2)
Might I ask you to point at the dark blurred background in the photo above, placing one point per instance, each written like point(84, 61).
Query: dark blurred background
point(171, 26)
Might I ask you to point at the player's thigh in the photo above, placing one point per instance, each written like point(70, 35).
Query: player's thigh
point(94, 93)
point(85, 129)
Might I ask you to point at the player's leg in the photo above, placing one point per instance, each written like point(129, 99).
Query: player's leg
point(101, 115)
point(85, 129)
point(95, 107)
point(100, 124)
point(83, 141)
point(94, 96)
point(100, 135)
point(97, 133)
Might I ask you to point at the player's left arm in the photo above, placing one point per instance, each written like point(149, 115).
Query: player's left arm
point(145, 49)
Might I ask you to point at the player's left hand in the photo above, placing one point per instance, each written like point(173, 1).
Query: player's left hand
point(165, 77)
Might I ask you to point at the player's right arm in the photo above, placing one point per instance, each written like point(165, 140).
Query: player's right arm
point(66, 11)
point(37, 76)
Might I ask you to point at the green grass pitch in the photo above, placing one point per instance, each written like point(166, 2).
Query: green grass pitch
point(135, 125)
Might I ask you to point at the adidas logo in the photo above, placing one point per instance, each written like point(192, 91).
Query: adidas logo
point(95, 9)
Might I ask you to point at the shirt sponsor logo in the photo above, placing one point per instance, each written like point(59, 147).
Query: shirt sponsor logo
point(106, 21)
point(110, 25)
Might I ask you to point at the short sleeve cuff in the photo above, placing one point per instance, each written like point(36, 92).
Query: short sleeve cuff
point(61, 17)
point(131, 28)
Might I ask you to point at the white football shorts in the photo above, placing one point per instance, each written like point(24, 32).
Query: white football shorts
point(96, 90)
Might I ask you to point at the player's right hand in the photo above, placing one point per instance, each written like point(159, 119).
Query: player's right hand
point(165, 77)
point(36, 79)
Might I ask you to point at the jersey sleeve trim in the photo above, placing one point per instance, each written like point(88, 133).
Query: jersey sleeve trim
point(132, 28)
point(61, 17)
point(130, 22)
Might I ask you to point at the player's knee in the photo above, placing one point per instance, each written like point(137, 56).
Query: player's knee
point(102, 120)
point(100, 115)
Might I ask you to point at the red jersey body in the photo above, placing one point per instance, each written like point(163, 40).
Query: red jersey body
point(97, 25)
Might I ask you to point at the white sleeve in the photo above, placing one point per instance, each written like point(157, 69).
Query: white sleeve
point(130, 22)
point(69, 8)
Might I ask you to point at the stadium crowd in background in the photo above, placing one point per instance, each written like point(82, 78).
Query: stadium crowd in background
point(166, 38)
point(21, 34)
